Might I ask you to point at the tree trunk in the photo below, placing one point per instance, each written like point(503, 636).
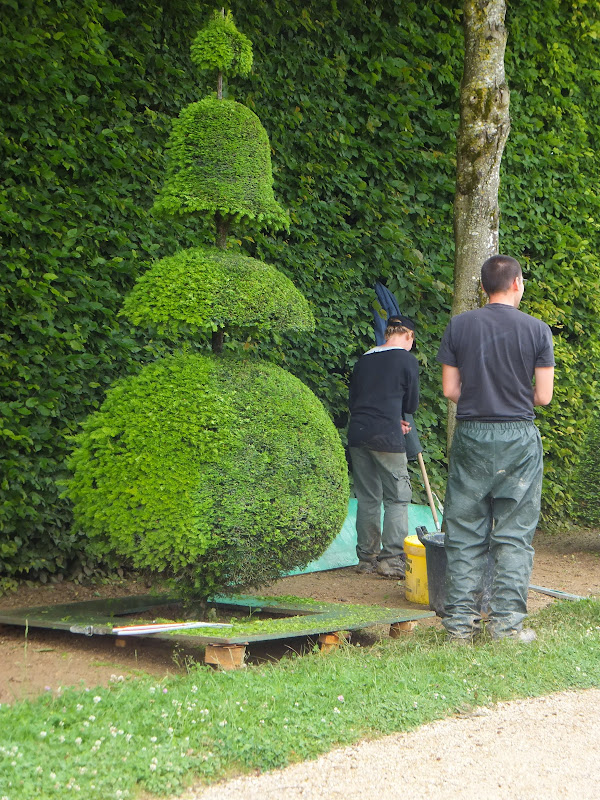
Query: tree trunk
point(482, 134)
point(217, 341)
point(222, 223)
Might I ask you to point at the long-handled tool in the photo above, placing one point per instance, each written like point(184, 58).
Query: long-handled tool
point(164, 627)
point(555, 593)
point(436, 521)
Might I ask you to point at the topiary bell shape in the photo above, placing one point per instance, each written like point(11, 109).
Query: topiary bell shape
point(220, 160)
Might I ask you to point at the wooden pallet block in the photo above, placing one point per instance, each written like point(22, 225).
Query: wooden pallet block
point(330, 641)
point(399, 629)
point(225, 656)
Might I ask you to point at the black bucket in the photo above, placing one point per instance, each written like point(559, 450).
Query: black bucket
point(435, 559)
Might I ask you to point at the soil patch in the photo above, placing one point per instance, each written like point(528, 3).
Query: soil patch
point(40, 660)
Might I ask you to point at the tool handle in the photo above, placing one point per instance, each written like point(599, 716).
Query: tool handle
point(428, 491)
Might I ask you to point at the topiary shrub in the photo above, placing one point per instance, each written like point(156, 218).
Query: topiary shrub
point(217, 471)
point(586, 481)
point(199, 290)
point(220, 161)
point(222, 473)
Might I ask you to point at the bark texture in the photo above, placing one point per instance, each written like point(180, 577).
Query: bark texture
point(482, 134)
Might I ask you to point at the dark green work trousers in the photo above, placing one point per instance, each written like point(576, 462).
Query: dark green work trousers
point(492, 504)
point(380, 477)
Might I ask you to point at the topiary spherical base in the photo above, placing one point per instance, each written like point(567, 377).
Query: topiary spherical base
point(220, 471)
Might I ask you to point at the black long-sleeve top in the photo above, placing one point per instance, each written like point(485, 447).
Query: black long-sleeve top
point(383, 387)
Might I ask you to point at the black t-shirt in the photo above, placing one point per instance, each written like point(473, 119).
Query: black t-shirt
point(383, 387)
point(496, 349)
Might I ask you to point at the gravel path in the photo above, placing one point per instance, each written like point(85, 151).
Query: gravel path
point(547, 747)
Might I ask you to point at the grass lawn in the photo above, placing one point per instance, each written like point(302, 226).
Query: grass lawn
point(139, 734)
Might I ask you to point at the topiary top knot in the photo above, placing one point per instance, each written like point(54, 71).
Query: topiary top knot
point(220, 46)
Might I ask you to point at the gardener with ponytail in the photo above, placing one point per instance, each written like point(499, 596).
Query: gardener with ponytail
point(384, 386)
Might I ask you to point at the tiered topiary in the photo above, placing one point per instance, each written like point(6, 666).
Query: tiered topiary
point(219, 470)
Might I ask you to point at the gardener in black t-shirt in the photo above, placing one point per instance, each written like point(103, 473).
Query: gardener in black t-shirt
point(490, 356)
point(384, 386)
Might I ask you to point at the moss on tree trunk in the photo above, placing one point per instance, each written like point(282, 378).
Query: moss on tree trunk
point(482, 134)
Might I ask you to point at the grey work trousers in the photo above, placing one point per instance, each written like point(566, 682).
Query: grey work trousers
point(492, 504)
point(380, 477)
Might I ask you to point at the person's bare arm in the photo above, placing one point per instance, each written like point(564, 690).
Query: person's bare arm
point(451, 382)
point(544, 386)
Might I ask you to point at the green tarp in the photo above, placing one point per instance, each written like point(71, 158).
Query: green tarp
point(342, 551)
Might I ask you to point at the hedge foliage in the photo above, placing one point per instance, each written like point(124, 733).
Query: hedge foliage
point(87, 89)
point(586, 484)
point(219, 159)
point(551, 213)
point(202, 289)
point(360, 102)
point(220, 471)
point(369, 182)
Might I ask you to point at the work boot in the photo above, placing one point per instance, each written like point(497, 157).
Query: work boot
point(392, 567)
point(525, 636)
point(459, 641)
point(367, 567)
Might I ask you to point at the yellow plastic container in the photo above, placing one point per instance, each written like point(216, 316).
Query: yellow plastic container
point(416, 571)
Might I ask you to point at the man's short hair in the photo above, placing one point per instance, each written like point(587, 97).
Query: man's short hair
point(498, 273)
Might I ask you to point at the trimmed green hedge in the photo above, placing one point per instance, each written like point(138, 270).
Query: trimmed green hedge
point(361, 106)
point(586, 484)
point(218, 471)
point(200, 289)
point(369, 181)
point(87, 94)
point(551, 213)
